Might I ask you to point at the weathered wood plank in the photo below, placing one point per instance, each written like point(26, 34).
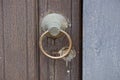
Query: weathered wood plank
point(15, 40)
point(56, 69)
point(44, 72)
point(1, 43)
point(19, 38)
point(60, 71)
point(51, 67)
point(101, 40)
point(76, 64)
point(32, 25)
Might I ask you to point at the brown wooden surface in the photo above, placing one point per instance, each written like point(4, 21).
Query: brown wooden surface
point(56, 69)
point(17, 40)
point(1, 43)
point(20, 57)
point(76, 64)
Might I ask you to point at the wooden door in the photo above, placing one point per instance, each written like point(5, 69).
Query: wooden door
point(56, 69)
point(20, 56)
point(18, 40)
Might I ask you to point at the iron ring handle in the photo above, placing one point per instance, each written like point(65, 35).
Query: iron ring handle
point(53, 57)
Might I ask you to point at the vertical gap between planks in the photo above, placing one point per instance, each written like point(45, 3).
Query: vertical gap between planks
point(81, 38)
point(27, 76)
point(71, 38)
point(3, 40)
point(37, 39)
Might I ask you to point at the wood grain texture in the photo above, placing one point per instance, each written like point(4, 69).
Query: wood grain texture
point(56, 69)
point(1, 43)
point(17, 40)
point(76, 64)
point(32, 24)
point(101, 39)
point(60, 71)
point(44, 72)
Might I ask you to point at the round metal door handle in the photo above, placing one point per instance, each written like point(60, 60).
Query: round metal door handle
point(55, 57)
